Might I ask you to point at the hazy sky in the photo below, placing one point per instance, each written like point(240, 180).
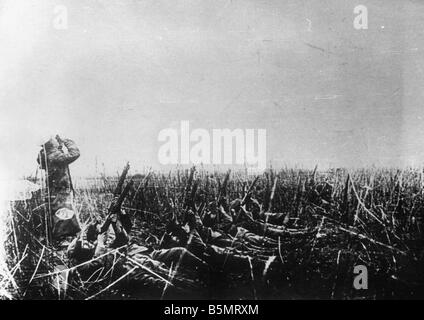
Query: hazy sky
point(326, 93)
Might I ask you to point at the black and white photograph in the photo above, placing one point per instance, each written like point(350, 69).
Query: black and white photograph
point(211, 150)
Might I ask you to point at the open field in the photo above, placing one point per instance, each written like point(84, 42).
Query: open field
point(328, 222)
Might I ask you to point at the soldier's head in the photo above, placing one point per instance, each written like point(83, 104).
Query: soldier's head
point(137, 178)
point(253, 206)
point(46, 147)
point(52, 143)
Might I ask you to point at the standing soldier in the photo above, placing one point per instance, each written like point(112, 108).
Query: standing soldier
point(55, 161)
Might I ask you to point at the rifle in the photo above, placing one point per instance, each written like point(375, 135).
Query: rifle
point(115, 206)
point(121, 180)
point(247, 195)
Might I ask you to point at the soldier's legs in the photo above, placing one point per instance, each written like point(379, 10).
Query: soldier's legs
point(178, 256)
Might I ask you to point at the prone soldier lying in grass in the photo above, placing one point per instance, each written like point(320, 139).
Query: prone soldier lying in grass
point(112, 255)
point(105, 251)
point(189, 254)
point(220, 251)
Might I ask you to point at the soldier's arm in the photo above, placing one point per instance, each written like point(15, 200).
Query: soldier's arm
point(66, 158)
point(89, 256)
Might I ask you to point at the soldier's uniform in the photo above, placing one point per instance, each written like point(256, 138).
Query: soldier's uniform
point(55, 161)
point(217, 249)
point(176, 269)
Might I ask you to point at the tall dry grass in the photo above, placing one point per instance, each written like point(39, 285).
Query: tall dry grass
point(370, 216)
